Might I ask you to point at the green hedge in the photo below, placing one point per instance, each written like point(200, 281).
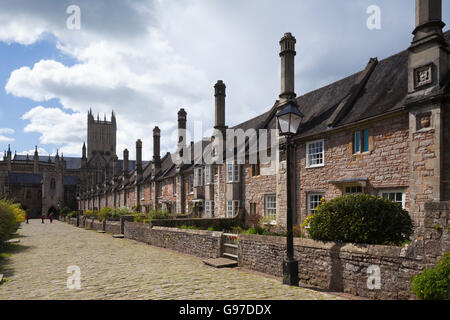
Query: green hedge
point(361, 218)
point(432, 284)
point(11, 215)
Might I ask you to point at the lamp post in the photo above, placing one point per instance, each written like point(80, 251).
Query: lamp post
point(289, 118)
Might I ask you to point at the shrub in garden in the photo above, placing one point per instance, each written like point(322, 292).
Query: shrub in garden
point(64, 211)
point(91, 213)
point(7, 220)
point(72, 214)
point(11, 215)
point(117, 212)
point(361, 218)
point(157, 214)
point(432, 284)
point(104, 213)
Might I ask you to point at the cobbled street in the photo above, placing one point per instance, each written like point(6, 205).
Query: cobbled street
point(123, 269)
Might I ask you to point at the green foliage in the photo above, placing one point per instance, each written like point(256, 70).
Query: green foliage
point(187, 227)
point(72, 214)
point(117, 212)
point(91, 213)
point(361, 218)
point(64, 211)
point(11, 215)
point(432, 284)
point(158, 214)
point(104, 213)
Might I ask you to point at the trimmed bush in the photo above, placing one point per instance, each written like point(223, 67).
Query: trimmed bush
point(432, 284)
point(361, 218)
point(117, 212)
point(104, 213)
point(64, 211)
point(11, 215)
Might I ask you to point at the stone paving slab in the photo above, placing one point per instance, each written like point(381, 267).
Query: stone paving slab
point(221, 263)
point(125, 269)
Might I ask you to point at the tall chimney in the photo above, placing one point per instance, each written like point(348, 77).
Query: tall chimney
point(428, 61)
point(125, 163)
point(114, 167)
point(287, 54)
point(156, 150)
point(219, 94)
point(182, 117)
point(139, 159)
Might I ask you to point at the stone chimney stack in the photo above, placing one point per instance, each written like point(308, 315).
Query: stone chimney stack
point(139, 159)
point(429, 57)
point(219, 94)
point(182, 118)
point(36, 161)
point(156, 150)
point(125, 163)
point(114, 167)
point(287, 54)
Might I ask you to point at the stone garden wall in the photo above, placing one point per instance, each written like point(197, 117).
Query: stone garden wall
point(372, 271)
point(200, 243)
point(337, 267)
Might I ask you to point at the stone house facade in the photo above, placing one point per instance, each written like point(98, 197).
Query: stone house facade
point(382, 131)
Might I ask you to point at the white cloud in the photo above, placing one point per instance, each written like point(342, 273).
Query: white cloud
point(145, 59)
point(41, 152)
point(4, 132)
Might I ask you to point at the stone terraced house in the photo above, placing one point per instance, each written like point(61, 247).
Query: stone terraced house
point(382, 131)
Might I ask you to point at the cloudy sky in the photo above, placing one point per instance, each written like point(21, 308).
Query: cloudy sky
point(145, 59)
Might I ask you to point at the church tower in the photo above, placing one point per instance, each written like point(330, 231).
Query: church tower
point(101, 136)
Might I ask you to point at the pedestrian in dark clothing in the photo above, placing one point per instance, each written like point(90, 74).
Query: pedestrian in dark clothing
point(51, 217)
point(42, 217)
point(28, 218)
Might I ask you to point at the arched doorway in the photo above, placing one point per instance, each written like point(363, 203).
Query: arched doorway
point(54, 211)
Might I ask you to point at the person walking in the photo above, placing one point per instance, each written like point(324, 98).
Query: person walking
point(28, 218)
point(42, 217)
point(51, 217)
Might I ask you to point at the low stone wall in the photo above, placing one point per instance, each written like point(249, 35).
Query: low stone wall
point(201, 223)
point(200, 243)
point(338, 267)
point(112, 227)
point(137, 231)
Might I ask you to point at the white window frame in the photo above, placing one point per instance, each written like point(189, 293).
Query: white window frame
point(232, 208)
point(142, 195)
point(209, 208)
point(208, 171)
point(312, 210)
point(272, 215)
point(351, 192)
point(308, 155)
point(403, 203)
point(233, 172)
point(198, 177)
point(191, 185)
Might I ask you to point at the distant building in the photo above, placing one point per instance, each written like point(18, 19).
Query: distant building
point(44, 184)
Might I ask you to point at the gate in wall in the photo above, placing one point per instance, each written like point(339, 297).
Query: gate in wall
point(230, 246)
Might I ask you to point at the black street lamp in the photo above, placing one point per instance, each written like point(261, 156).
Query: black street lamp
point(288, 122)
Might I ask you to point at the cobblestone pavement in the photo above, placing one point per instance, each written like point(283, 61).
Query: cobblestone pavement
point(124, 269)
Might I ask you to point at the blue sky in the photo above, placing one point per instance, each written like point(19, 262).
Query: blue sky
point(146, 59)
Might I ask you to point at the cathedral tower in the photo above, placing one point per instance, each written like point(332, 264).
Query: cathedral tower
point(101, 136)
